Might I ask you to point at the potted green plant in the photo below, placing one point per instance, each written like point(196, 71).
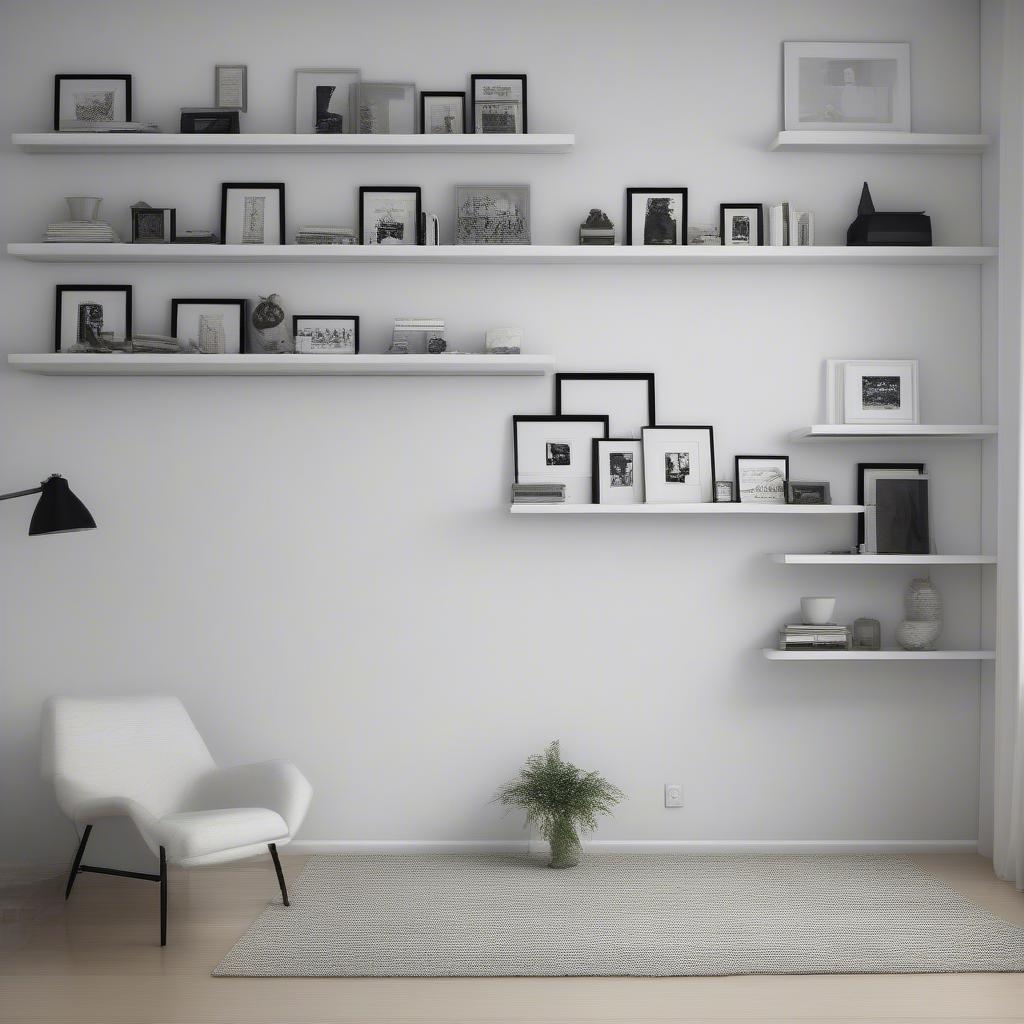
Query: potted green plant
point(561, 800)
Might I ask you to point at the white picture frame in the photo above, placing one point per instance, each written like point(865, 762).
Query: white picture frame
point(492, 214)
point(861, 391)
point(322, 95)
point(557, 449)
point(385, 108)
point(679, 465)
point(618, 471)
point(846, 86)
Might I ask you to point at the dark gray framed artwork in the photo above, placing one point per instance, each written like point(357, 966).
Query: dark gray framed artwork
point(92, 317)
point(656, 216)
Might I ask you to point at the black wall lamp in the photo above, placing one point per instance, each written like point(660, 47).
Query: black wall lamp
point(58, 509)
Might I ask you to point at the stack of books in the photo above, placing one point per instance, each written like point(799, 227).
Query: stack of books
point(787, 226)
point(81, 231)
point(324, 234)
point(100, 127)
point(799, 637)
point(538, 494)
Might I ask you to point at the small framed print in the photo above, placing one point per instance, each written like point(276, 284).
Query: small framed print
point(761, 479)
point(92, 317)
point(325, 101)
point(557, 449)
point(679, 464)
point(656, 216)
point(442, 113)
point(723, 491)
point(741, 223)
point(385, 108)
point(326, 335)
point(492, 214)
point(618, 471)
point(252, 214)
point(880, 391)
point(627, 398)
point(499, 104)
point(868, 475)
point(91, 101)
point(389, 214)
point(152, 225)
point(814, 492)
point(230, 86)
point(210, 326)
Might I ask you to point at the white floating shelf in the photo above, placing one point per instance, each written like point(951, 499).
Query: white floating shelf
point(84, 364)
point(162, 144)
point(884, 559)
point(719, 509)
point(772, 654)
point(640, 255)
point(880, 431)
point(879, 142)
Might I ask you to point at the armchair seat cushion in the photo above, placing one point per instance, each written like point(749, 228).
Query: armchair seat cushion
point(191, 834)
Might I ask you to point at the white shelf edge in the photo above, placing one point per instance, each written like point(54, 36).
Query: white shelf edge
point(866, 431)
point(166, 143)
point(125, 365)
point(813, 559)
point(722, 508)
point(773, 654)
point(685, 255)
point(935, 143)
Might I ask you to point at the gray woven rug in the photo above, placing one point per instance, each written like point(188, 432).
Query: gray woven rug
point(635, 914)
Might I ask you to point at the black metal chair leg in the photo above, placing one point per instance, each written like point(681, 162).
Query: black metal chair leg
point(163, 897)
point(77, 861)
point(280, 873)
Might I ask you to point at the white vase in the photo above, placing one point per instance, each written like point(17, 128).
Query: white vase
point(918, 635)
point(923, 601)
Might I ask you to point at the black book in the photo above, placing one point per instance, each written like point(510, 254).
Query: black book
point(901, 517)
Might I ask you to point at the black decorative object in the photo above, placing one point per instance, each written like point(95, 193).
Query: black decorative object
point(597, 229)
point(209, 121)
point(901, 517)
point(58, 510)
point(871, 228)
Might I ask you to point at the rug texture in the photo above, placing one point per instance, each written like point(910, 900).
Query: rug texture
point(634, 914)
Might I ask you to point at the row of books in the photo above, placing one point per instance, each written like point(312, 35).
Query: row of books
point(830, 637)
point(538, 494)
point(787, 226)
point(81, 231)
point(324, 234)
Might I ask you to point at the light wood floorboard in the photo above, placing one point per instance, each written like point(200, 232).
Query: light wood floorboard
point(96, 959)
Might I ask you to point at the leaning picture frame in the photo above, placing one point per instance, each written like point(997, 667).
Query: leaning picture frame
point(557, 449)
point(442, 113)
point(498, 104)
point(90, 101)
point(252, 213)
point(390, 214)
point(741, 224)
point(627, 398)
point(618, 467)
point(325, 101)
point(492, 215)
point(333, 334)
point(656, 216)
point(761, 479)
point(92, 317)
point(210, 326)
point(679, 464)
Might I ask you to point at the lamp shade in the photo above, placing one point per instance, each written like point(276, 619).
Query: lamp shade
point(59, 510)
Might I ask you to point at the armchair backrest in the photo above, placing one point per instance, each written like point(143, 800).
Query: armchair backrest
point(143, 749)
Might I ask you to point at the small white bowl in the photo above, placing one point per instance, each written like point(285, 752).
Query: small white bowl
point(817, 611)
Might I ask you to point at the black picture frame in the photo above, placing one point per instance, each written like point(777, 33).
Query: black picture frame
point(226, 120)
point(328, 316)
point(126, 289)
point(242, 319)
point(415, 189)
point(516, 420)
point(917, 467)
point(438, 95)
point(722, 207)
point(560, 378)
point(227, 186)
point(709, 429)
point(768, 458)
point(595, 456)
point(823, 487)
point(473, 79)
point(58, 79)
point(173, 221)
point(672, 190)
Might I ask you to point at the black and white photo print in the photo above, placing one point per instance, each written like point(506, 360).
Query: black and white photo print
point(558, 449)
point(800, 492)
point(679, 464)
point(389, 215)
point(153, 225)
point(91, 102)
point(385, 108)
point(93, 318)
point(882, 391)
point(442, 113)
point(209, 326)
point(492, 214)
point(761, 479)
point(618, 471)
point(558, 453)
point(325, 101)
point(656, 216)
point(741, 223)
point(252, 213)
point(326, 335)
point(499, 104)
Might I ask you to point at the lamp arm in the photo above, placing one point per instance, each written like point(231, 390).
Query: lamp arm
point(21, 494)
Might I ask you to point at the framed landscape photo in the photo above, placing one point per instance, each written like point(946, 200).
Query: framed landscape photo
point(618, 471)
point(761, 479)
point(679, 464)
point(389, 214)
point(442, 113)
point(627, 398)
point(252, 213)
point(92, 317)
point(814, 492)
point(385, 108)
point(326, 335)
point(91, 101)
point(557, 449)
point(325, 101)
point(210, 326)
point(846, 86)
point(492, 214)
point(880, 391)
point(656, 216)
point(152, 225)
point(741, 223)
point(499, 104)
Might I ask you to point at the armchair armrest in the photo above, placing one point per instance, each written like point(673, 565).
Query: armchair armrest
point(277, 785)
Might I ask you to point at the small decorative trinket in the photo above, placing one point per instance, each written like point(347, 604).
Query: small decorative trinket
point(269, 331)
point(597, 229)
point(923, 624)
point(503, 341)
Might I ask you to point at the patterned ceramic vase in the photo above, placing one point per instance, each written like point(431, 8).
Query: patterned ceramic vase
point(914, 635)
point(923, 601)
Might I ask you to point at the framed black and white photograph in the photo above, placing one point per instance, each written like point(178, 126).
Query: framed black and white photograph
point(679, 464)
point(492, 214)
point(442, 113)
point(385, 108)
point(209, 121)
point(92, 317)
point(91, 101)
point(868, 475)
point(812, 492)
point(230, 86)
point(656, 216)
point(326, 335)
point(627, 399)
point(325, 101)
point(741, 223)
point(618, 471)
point(847, 86)
point(499, 104)
point(878, 391)
point(210, 326)
point(153, 225)
point(557, 449)
point(252, 213)
point(761, 479)
point(723, 491)
point(389, 214)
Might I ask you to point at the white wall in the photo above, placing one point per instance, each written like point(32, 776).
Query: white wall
point(325, 569)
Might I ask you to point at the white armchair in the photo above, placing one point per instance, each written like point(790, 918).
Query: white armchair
point(142, 757)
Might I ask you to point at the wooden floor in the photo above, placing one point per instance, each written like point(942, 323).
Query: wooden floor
point(96, 959)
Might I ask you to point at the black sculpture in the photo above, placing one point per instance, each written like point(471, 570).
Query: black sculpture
point(871, 228)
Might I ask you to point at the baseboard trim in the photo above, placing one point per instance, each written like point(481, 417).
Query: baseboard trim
point(309, 846)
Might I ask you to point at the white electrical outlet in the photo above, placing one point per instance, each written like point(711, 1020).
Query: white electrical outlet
point(673, 794)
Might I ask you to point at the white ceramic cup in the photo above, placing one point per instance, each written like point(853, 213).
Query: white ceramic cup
point(83, 207)
point(817, 611)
